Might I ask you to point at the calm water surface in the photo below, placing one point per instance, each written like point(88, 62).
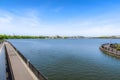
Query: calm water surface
point(70, 59)
point(2, 63)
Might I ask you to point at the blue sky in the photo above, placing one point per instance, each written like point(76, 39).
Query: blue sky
point(60, 17)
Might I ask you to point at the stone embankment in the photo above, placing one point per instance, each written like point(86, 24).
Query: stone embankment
point(107, 48)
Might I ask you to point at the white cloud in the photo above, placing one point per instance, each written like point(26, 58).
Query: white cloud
point(29, 23)
point(96, 26)
point(10, 23)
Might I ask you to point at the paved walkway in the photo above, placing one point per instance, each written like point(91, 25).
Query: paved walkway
point(19, 68)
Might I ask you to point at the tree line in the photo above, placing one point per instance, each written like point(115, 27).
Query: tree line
point(36, 37)
point(20, 37)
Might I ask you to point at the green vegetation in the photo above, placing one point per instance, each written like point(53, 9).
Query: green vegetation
point(108, 37)
point(116, 46)
point(19, 37)
point(37, 37)
point(52, 37)
point(2, 38)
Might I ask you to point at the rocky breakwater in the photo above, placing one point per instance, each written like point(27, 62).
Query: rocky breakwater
point(111, 49)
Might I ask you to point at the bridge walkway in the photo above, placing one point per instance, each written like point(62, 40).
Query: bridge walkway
point(19, 69)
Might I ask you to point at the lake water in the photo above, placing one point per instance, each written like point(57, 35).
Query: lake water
point(2, 63)
point(70, 59)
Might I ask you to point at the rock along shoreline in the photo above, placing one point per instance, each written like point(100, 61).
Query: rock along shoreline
point(110, 49)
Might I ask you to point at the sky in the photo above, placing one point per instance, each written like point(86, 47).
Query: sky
point(60, 17)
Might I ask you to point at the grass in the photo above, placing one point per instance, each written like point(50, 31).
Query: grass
point(116, 46)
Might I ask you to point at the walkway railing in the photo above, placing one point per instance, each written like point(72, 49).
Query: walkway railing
point(38, 74)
